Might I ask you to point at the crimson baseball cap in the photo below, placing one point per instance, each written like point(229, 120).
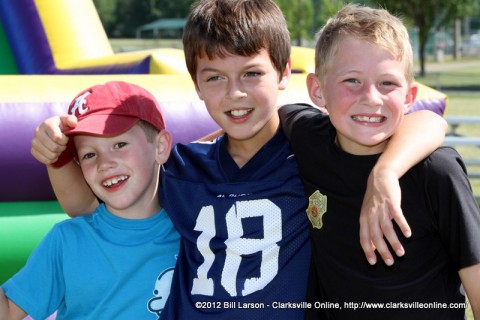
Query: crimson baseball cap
point(110, 109)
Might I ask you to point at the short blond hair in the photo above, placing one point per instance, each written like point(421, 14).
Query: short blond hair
point(376, 26)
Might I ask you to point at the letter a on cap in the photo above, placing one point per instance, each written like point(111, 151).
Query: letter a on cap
point(79, 103)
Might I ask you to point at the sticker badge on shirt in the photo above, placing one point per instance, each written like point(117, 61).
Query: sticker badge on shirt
point(317, 206)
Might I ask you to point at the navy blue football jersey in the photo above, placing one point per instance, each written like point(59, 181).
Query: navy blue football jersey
point(245, 248)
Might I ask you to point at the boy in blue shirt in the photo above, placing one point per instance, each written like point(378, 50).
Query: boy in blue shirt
point(116, 263)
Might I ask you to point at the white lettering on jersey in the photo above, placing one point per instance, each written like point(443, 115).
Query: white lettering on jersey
point(238, 246)
point(206, 224)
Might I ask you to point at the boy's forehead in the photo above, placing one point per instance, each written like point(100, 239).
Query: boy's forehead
point(226, 57)
point(221, 52)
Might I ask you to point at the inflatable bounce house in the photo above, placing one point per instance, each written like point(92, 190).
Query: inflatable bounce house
point(52, 49)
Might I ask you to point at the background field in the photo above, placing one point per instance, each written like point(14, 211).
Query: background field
point(461, 82)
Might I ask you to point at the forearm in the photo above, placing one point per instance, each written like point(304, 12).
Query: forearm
point(3, 305)
point(382, 199)
point(410, 144)
point(8, 309)
point(71, 190)
point(469, 277)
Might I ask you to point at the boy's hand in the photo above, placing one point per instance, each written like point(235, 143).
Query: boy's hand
point(49, 142)
point(380, 205)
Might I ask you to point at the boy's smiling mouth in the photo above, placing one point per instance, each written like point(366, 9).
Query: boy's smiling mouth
point(239, 113)
point(373, 119)
point(111, 182)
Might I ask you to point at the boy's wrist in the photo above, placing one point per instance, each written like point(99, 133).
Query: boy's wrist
point(383, 171)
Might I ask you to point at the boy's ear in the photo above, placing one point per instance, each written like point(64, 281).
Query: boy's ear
point(315, 92)
point(410, 97)
point(163, 143)
point(285, 76)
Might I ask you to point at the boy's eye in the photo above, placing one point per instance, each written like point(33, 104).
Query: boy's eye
point(120, 145)
point(252, 74)
point(88, 156)
point(388, 83)
point(352, 80)
point(213, 78)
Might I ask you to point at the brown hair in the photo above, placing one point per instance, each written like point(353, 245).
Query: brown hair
point(219, 28)
point(149, 130)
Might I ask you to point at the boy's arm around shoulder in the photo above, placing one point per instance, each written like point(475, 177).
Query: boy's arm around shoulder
point(8, 309)
point(70, 188)
point(408, 146)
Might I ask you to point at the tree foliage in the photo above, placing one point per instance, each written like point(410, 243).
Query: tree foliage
point(299, 17)
point(429, 15)
point(121, 18)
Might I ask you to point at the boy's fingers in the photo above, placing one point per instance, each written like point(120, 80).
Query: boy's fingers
point(400, 220)
point(376, 234)
point(48, 140)
point(68, 121)
point(41, 158)
point(391, 236)
point(46, 152)
point(367, 245)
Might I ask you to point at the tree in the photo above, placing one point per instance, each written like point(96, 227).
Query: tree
point(429, 15)
point(299, 17)
point(121, 18)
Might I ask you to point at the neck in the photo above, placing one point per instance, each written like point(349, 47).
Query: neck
point(243, 150)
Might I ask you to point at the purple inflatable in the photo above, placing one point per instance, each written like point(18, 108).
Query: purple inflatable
point(25, 179)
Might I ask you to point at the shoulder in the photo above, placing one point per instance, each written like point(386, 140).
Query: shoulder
point(443, 169)
point(196, 150)
point(299, 111)
point(68, 226)
point(193, 160)
point(192, 153)
point(444, 161)
point(302, 122)
point(301, 115)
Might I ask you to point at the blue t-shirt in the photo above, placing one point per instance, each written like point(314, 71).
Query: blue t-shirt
point(245, 250)
point(99, 266)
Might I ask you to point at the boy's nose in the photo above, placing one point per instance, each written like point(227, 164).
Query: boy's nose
point(105, 162)
point(235, 90)
point(372, 96)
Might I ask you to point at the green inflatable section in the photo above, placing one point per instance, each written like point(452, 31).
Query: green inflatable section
point(8, 64)
point(22, 226)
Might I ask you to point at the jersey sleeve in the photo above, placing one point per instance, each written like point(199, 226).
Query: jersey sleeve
point(38, 288)
point(294, 116)
point(454, 205)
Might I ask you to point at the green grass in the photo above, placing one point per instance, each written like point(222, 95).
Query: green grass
point(462, 85)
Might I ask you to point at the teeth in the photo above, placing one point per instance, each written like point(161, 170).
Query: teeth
point(111, 182)
point(368, 119)
point(240, 113)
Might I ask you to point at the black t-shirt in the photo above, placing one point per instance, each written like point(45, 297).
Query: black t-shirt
point(437, 202)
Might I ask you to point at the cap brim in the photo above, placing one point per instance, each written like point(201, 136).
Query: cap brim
point(103, 125)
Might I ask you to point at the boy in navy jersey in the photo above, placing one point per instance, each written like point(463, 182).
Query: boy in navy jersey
point(364, 78)
point(106, 265)
point(238, 201)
